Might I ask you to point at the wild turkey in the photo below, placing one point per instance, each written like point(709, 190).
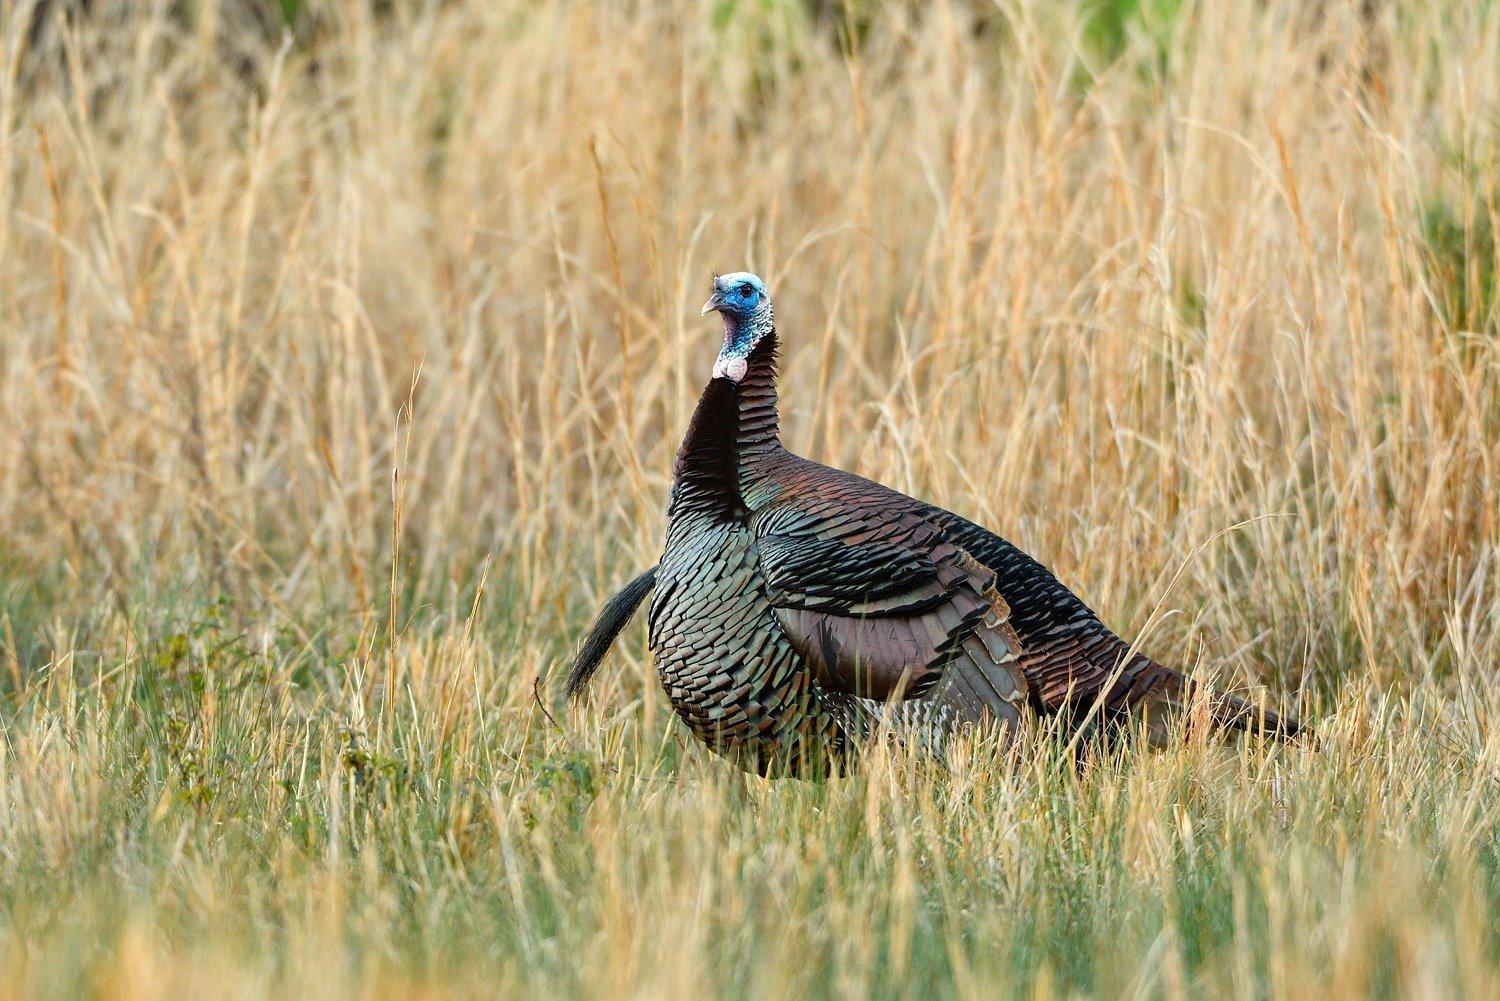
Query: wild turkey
point(796, 607)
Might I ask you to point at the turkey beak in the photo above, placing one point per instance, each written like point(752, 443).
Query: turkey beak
point(715, 302)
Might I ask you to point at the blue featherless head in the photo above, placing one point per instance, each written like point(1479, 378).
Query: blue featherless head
point(741, 299)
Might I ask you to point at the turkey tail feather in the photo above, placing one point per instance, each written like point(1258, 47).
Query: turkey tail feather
point(1235, 713)
point(612, 619)
point(1225, 712)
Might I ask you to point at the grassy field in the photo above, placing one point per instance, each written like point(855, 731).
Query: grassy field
point(344, 350)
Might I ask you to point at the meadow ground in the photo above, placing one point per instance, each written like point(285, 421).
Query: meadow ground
point(344, 349)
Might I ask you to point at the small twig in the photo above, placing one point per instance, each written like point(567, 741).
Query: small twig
point(536, 693)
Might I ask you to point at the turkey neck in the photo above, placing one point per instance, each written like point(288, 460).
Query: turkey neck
point(733, 428)
point(759, 426)
point(705, 483)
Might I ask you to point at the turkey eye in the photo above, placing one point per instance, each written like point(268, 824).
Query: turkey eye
point(746, 291)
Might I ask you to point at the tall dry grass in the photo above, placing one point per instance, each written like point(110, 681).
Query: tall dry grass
point(342, 370)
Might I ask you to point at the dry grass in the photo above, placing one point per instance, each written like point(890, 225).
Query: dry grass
point(340, 380)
